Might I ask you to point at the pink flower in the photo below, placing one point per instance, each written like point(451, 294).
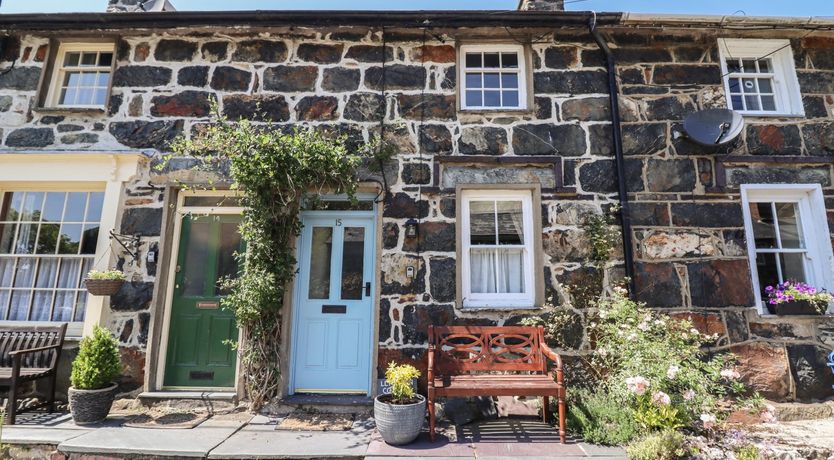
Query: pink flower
point(730, 374)
point(661, 399)
point(637, 385)
point(767, 414)
point(708, 420)
point(672, 372)
point(689, 395)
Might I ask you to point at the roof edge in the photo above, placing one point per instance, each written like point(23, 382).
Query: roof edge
point(705, 20)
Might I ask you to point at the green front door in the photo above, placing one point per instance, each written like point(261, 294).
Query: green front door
point(199, 354)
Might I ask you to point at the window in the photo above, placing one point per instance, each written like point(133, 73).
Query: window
point(787, 236)
point(759, 77)
point(81, 75)
point(497, 248)
point(493, 77)
point(47, 245)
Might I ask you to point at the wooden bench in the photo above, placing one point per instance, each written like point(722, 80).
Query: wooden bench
point(29, 353)
point(475, 361)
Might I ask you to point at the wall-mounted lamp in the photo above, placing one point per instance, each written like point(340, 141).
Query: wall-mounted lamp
point(411, 228)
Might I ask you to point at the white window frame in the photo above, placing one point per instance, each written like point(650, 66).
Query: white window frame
point(819, 262)
point(58, 71)
point(494, 48)
point(509, 300)
point(785, 83)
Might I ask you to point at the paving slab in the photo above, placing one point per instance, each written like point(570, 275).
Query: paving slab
point(195, 442)
point(34, 435)
point(597, 451)
point(251, 444)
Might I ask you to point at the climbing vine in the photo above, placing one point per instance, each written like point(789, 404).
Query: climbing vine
point(276, 173)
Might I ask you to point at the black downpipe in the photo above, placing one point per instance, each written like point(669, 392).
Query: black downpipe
point(613, 94)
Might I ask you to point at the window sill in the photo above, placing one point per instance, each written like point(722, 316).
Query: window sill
point(71, 110)
point(772, 316)
point(771, 115)
point(495, 111)
point(497, 308)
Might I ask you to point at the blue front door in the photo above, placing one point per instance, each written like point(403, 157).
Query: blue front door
point(333, 314)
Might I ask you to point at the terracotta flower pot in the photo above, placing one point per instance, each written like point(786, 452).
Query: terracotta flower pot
point(103, 287)
point(399, 423)
point(795, 307)
point(91, 406)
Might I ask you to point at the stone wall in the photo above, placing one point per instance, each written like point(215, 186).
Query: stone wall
point(688, 235)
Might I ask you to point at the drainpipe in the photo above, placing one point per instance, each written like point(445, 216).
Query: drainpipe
point(613, 94)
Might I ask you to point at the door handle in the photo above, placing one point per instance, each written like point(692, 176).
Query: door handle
point(368, 289)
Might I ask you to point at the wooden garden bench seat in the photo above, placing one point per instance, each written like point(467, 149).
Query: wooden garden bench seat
point(475, 361)
point(29, 353)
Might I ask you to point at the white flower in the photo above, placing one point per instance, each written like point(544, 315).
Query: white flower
point(672, 372)
point(730, 374)
point(659, 322)
point(643, 326)
point(661, 399)
point(602, 352)
point(603, 314)
point(708, 420)
point(632, 336)
point(689, 394)
point(637, 385)
point(694, 331)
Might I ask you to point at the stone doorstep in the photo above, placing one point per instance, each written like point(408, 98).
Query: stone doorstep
point(214, 400)
point(334, 404)
point(791, 412)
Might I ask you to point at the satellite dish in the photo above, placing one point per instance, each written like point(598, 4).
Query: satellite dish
point(713, 127)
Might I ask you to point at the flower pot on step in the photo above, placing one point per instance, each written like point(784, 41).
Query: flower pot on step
point(794, 307)
point(399, 423)
point(103, 287)
point(91, 406)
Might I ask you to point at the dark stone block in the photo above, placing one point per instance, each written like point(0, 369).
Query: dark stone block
point(384, 320)
point(780, 175)
point(435, 139)
point(193, 76)
point(69, 128)
point(601, 140)
point(737, 328)
point(227, 78)
point(823, 59)
point(397, 76)
point(369, 53)
point(645, 90)
point(144, 326)
point(260, 51)
point(809, 370)
point(561, 57)
point(814, 107)
point(126, 332)
point(146, 134)
point(544, 108)
point(657, 284)
point(320, 54)
point(427, 106)
point(815, 82)
point(31, 137)
point(418, 318)
point(141, 76)
point(174, 50)
point(6, 103)
point(690, 53)
point(649, 214)
point(549, 139)
point(669, 108)
point(774, 140)
point(365, 107)
point(403, 206)
point(133, 296)
point(483, 140)
point(416, 174)
point(670, 175)
point(592, 58)
point(291, 79)
point(142, 221)
point(317, 108)
point(586, 109)
point(20, 78)
point(432, 236)
point(450, 78)
point(390, 235)
point(819, 138)
point(340, 80)
point(643, 138)
point(631, 76)
point(687, 74)
point(601, 176)
point(573, 82)
point(720, 283)
point(707, 215)
point(53, 119)
point(442, 277)
point(184, 104)
point(258, 108)
point(634, 55)
point(79, 138)
point(215, 51)
point(448, 207)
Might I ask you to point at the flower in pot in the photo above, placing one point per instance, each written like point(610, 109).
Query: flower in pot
point(796, 298)
point(399, 415)
point(93, 373)
point(104, 283)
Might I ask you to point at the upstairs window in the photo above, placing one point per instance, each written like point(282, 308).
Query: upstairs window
point(81, 76)
point(493, 77)
point(760, 78)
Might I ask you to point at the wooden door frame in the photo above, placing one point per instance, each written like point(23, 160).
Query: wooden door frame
point(295, 297)
point(181, 209)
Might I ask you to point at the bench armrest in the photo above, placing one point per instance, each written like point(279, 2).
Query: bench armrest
point(33, 350)
point(553, 356)
point(430, 367)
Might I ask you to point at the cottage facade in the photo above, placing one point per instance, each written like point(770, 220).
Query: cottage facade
point(502, 125)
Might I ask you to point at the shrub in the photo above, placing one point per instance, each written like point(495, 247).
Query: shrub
point(748, 452)
point(600, 419)
point(399, 376)
point(98, 362)
point(661, 445)
point(106, 275)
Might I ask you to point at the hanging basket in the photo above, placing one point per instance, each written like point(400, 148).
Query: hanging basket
point(103, 287)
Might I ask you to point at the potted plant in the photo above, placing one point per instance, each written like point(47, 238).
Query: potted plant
point(399, 415)
point(796, 298)
point(104, 283)
point(93, 373)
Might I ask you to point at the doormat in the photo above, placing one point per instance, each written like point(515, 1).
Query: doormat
point(306, 421)
point(168, 420)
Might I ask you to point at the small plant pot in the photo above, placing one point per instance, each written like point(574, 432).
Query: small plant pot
point(103, 287)
point(796, 307)
point(399, 423)
point(91, 406)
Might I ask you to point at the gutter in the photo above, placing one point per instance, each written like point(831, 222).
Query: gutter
point(730, 22)
point(616, 135)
